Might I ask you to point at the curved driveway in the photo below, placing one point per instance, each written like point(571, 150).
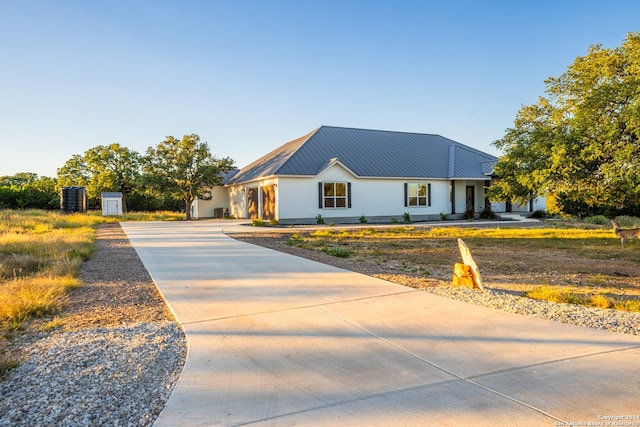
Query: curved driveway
point(276, 339)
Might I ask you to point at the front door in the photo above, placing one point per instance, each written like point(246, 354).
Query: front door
point(471, 198)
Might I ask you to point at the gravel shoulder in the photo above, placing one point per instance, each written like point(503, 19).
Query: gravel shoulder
point(112, 359)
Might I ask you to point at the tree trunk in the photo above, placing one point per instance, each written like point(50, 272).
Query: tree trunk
point(187, 207)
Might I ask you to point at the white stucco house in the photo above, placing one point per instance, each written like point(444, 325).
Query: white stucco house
point(343, 174)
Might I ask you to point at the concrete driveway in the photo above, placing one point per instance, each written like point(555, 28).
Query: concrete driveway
point(280, 340)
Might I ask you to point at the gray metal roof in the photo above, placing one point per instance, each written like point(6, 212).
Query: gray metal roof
point(372, 153)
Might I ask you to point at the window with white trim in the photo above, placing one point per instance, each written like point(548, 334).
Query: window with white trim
point(417, 194)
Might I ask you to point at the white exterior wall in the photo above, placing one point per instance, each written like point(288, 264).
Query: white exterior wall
point(376, 199)
point(111, 206)
point(237, 197)
point(201, 208)
point(461, 197)
point(539, 204)
point(298, 197)
point(237, 201)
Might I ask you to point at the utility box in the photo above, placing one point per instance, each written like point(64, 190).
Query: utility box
point(111, 204)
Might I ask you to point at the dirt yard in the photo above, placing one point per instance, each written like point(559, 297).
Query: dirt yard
point(584, 265)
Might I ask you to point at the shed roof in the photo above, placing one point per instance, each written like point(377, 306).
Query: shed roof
point(371, 153)
point(111, 195)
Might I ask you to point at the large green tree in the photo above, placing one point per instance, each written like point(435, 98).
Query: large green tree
point(101, 169)
point(582, 140)
point(184, 168)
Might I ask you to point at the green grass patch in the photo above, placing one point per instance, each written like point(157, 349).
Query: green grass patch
point(338, 252)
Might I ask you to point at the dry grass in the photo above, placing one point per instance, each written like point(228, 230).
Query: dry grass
point(22, 299)
point(40, 256)
point(41, 253)
point(559, 261)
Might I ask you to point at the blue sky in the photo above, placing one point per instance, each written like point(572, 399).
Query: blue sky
point(248, 76)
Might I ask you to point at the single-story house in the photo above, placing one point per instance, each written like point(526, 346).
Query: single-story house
point(343, 174)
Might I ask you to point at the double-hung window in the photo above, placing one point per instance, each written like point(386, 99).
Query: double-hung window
point(417, 194)
point(334, 195)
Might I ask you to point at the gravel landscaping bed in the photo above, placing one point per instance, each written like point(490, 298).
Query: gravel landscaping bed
point(610, 320)
point(114, 358)
point(604, 319)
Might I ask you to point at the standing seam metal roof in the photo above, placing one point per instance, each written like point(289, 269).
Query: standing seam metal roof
point(372, 153)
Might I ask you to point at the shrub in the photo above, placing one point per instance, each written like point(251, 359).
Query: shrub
point(487, 213)
point(626, 221)
point(540, 214)
point(394, 221)
point(258, 222)
point(597, 220)
point(319, 219)
point(338, 252)
point(600, 301)
point(406, 217)
point(444, 216)
point(362, 219)
point(295, 240)
point(628, 305)
point(469, 214)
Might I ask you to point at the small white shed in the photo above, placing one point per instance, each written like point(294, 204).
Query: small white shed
point(111, 204)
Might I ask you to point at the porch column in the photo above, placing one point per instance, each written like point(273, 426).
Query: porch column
point(453, 196)
point(487, 203)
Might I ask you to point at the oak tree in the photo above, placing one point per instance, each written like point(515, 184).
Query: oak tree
point(101, 169)
point(184, 168)
point(581, 141)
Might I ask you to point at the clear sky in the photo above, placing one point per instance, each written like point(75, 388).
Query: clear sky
point(248, 76)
